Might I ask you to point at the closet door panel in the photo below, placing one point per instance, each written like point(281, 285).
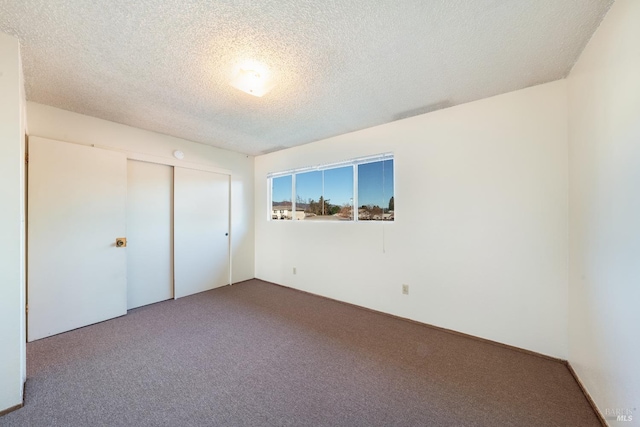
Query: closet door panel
point(201, 231)
point(149, 233)
point(76, 211)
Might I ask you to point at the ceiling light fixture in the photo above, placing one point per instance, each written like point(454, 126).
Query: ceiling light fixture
point(252, 82)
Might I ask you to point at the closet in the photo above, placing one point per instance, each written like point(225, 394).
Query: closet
point(149, 233)
point(108, 233)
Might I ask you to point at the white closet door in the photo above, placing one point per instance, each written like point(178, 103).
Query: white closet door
point(149, 233)
point(76, 274)
point(201, 227)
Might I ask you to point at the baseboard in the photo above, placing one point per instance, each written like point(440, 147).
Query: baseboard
point(11, 409)
point(16, 407)
point(248, 280)
point(449, 331)
point(473, 337)
point(595, 408)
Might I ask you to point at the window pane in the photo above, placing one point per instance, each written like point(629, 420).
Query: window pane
point(328, 193)
point(309, 194)
point(338, 193)
point(375, 191)
point(281, 197)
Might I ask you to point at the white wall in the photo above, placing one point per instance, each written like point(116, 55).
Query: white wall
point(54, 123)
point(604, 141)
point(12, 253)
point(481, 222)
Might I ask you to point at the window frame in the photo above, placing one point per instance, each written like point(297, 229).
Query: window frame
point(322, 167)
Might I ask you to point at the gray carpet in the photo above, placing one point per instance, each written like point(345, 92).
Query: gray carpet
point(256, 354)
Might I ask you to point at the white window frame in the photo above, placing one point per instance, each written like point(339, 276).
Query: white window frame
point(353, 163)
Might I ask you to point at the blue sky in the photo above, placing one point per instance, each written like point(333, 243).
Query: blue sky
point(375, 185)
point(338, 185)
point(281, 190)
point(309, 186)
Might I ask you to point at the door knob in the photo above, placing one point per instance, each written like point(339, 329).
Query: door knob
point(121, 242)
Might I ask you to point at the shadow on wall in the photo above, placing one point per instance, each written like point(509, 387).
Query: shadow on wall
point(423, 110)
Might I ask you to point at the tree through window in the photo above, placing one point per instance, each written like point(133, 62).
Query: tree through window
point(329, 193)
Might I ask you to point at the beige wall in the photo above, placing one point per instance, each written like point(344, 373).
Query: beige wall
point(481, 226)
point(481, 201)
point(12, 251)
point(604, 141)
point(54, 123)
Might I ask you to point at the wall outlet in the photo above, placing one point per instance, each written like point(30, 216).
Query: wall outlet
point(405, 289)
point(294, 270)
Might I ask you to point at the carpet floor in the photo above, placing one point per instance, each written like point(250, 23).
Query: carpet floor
point(257, 354)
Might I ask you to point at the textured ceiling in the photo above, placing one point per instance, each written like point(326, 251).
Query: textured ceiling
point(337, 65)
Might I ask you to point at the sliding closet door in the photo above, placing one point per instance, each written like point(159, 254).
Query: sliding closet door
point(149, 233)
point(76, 202)
point(201, 231)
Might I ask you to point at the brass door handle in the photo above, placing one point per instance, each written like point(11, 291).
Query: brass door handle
point(121, 242)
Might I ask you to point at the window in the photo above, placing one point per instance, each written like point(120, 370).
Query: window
point(375, 191)
point(332, 192)
point(281, 197)
point(325, 194)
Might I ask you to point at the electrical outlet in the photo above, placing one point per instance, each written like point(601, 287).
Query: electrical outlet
point(294, 270)
point(405, 289)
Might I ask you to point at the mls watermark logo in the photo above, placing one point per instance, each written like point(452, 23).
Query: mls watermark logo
point(619, 414)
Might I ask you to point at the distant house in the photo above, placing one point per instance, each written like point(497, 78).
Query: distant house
point(363, 214)
point(284, 212)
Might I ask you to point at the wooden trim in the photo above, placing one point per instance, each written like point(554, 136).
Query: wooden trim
point(11, 409)
point(438, 328)
point(18, 406)
point(248, 280)
point(595, 408)
point(587, 395)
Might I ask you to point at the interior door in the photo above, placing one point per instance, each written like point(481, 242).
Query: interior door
point(149, 233)
point(76, 210)
point(201, 231)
